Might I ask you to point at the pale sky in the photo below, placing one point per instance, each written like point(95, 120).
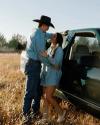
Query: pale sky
point(16, 15)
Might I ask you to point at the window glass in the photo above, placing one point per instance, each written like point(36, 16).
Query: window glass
point(91, 43)
point(88, 49)
point(85, 44)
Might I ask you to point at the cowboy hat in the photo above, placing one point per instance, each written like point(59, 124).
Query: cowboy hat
point(46, 20)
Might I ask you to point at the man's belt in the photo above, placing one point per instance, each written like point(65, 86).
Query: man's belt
point(35, 61)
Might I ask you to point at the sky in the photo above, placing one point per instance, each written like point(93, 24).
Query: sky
point(16, 15)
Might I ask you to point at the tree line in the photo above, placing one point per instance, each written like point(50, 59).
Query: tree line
point(17, 43)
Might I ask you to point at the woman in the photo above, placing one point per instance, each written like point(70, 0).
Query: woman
point(51, 75)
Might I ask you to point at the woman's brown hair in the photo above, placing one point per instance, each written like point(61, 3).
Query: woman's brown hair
point(59, 39)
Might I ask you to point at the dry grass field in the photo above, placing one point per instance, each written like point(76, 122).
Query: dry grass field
point(12, 91)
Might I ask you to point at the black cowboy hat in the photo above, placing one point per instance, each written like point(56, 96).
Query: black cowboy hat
point(46, 20)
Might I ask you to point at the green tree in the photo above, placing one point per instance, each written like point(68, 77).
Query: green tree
point(18, 42)
point(2, 40)
point(13, 43)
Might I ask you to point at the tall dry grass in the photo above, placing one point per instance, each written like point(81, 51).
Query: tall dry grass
point(12, 92)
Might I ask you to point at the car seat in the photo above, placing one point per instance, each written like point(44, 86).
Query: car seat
point(81, 50)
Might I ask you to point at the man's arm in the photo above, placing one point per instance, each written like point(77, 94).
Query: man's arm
point(56, 61)
point(40, 47)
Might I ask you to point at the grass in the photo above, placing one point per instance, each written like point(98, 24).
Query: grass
point(12, 92)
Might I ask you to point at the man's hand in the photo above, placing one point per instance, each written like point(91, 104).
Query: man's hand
point(44, 54)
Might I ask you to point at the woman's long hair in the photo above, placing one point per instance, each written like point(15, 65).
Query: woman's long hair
point(59, 39)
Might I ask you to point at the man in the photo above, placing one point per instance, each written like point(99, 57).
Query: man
point(35, 46)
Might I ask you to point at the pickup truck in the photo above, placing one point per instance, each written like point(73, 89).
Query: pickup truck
point(80, 81)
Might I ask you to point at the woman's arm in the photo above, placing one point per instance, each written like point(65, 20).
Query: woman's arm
point(56, 61)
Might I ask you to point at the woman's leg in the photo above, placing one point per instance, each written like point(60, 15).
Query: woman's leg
point(50, 99)
point(45, 104)
point(49, 91)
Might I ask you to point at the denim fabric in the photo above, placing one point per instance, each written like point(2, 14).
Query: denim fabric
point(32, 88)
point(36, 44)
point(49, 75)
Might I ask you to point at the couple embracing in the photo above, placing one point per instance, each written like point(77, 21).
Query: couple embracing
point(48, 78)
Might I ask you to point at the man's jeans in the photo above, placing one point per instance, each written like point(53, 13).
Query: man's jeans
point(32, 88)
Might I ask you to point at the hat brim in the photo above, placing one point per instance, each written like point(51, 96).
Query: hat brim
point(49, 24)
